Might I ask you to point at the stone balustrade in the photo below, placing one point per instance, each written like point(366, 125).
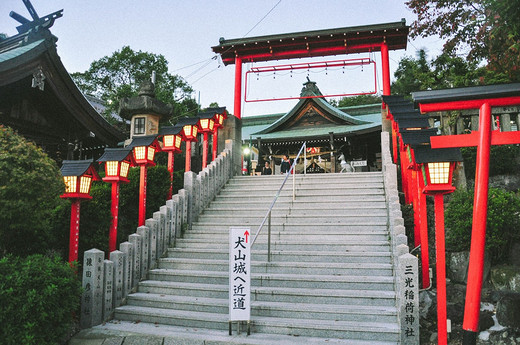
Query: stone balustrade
point(107, 283)
point(405, 264)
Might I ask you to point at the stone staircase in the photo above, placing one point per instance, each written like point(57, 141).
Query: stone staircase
point(330, 274)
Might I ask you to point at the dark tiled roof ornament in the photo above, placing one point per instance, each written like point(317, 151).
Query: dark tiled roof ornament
point(310, 89)
point(44, 22)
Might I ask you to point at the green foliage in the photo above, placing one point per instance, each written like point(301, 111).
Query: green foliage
point(445, 71)
point(480, 30)
point(503, 160)
point(358, 100)
point(39, 296)
point(503, 222)
point(120, 75)
point(30, 185)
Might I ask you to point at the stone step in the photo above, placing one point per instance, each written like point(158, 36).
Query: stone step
point(278, 280)
point(274, 294)
point(323, 212)
point(321, 328)
point(294, 220)
point(317, 268)
point(332, 234)
point(304, 228)
point(301, 245)
point(268, 198)
point(285, 256)
point(314, 193)
point(305, 187)
point(302, 205)
point(271, 309)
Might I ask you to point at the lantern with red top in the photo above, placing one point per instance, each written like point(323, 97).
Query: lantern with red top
point(438, 166)
point(207, 125)
point(190, 129)
point(144, 149)
point(220, 116)
point(117, 164)
point(171, 139)
point(78, 177)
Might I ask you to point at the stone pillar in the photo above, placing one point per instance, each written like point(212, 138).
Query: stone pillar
point(108, 291)
point(505, 123)
point(233, 131)
point(128, 249)
point(474, 123)
point(135, 239)
point(152, 225)
point(518, 122)
point(144, 232)
point(160, 218)
point(174, 204)
point(92, 282)
point(409, 296)
point(189, 187)
point(183, 195)
point(460, 125)
point(118, 258)
point(167, 210)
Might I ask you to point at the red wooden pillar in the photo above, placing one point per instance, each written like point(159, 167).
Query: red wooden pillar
point(215, 144)
point(205, 150)
point(142, 196)
point(170, 169)
point(442, 327)
point(478, 232)
point(188, 156)
point(385, 66)
point(238, 87)
point(74, 230)
point(423, 230)
point(114, 210)
point(415, 205)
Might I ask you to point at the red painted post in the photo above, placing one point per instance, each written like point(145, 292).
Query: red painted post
point(478, 232)
point(205, 150)
point(142, 196)
point(403, 157)
point(114, 210)
point(74, 230)
point(170, 169)
point(188, 156)
point(215, 144)
point(423, 229)
point(415, 205)
point(442, 327)
point(238, 87)
point(385, 66)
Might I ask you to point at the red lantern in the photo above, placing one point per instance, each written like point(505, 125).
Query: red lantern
point(78, 177)
point(172, 139)
point(190, 128)
point(143, 149)
point(117, 164)
point(220, 116)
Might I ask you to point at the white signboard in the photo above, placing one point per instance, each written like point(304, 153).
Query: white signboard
point(359, 163)
point(239, 274)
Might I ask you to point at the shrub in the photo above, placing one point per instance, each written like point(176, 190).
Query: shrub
point(503, 160)
point(39, 296)
point(30, 186)
point(503, 222)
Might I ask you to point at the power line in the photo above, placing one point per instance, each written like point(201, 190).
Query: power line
point(271, 10)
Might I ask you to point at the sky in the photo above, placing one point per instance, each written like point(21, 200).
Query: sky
point(185, 31)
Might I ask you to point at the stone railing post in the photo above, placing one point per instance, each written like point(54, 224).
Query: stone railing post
point(183, 196)
point(128, 249)
point(144, 232)
point(173, 204)
point(409, 296)
point(189, 187)
point(152, 225)
point(92, 298)
point(118, 258)
point(108, 290)
point(135, 239)
point(160, 218)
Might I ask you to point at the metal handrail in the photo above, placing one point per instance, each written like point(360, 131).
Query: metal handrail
point(268, 214)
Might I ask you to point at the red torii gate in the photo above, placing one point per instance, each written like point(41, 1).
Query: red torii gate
point(348, 40)
point(482, 98)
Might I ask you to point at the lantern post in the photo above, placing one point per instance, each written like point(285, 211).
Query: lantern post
point(144, 149)
point(438, 166)
point(207, 125)
point(171, 142)
point(190, 129)
point(117, 164)
point(78, 176)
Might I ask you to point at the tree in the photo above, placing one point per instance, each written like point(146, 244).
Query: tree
point(30, 185)
point(358, 100)
point(119, 75)
point(480, 30)
point(442, 72)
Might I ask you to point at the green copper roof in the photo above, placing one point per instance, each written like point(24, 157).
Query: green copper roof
point(19, 51)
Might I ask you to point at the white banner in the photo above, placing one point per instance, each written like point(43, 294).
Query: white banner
point(239, 274)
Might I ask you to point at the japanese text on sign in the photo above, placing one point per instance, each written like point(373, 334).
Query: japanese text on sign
point(239, 274)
